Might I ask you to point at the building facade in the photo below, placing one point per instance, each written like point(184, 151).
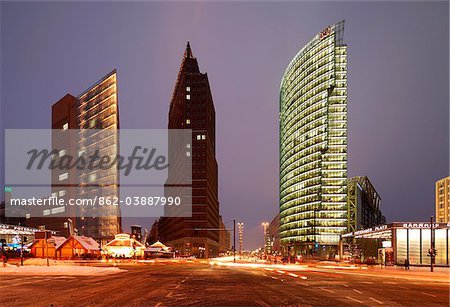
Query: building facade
point(81, 125)
point(397, 242)
point(313, 144)
point(98, 121)
point(224, 238)
point(192, 108)
point(64, 117)
point(273, 244)
point(443, 200)
point(363, 204)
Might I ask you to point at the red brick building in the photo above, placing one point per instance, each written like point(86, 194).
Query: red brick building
point(192, 107)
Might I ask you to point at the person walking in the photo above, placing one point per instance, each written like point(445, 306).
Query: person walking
point(406, 264)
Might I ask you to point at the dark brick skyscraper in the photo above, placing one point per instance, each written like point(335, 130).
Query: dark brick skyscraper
point(192, 107)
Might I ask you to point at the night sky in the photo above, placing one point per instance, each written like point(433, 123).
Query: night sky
point(398, 84)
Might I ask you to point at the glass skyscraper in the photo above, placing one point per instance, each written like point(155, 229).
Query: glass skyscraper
point(313, 145)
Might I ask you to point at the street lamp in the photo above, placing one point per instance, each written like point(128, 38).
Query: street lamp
point(241, 237)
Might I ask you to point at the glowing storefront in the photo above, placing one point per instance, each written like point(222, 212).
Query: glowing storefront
point(124, 246)
point(313, 144)
point(410, 241)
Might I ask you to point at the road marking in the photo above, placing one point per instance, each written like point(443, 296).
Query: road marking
point(303, 277)
point(18, 284)
point(158, 304)
point(177, 286)
point(432, 295)
point(262, 303)
point(328, 290)
point(292, 274)
point(389, 282)
point(375, 300)
point(345, 285)
point(367, 282)
point(357, 291)
point(281, 272)
point(354, 299)
point(169, 294)
point(270, 276)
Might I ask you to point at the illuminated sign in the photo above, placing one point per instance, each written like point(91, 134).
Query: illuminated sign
point(419, 225)
point(326, 32)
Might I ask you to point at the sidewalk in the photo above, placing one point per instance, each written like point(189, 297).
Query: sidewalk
point(440, 274)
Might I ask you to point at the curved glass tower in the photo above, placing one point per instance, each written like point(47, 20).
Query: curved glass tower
point(313, 144)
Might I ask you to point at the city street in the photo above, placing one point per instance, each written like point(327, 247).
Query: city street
point(203, 284)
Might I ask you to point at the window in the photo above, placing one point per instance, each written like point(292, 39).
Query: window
point(81, 153)
point(203, 137)
point(62, 193)
point(65, 126)
point(58, 210)
point(188, 153)
point(63, 176)
point(54, 195)
point(188, 97)
point(188, 121)
point(92, 123)
point(188, 88)
point(62, 152)
point(199, 137)
point(46, 212)
point(188, 145)
point(92, 177)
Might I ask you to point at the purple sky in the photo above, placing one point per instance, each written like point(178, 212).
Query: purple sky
point(398, 84)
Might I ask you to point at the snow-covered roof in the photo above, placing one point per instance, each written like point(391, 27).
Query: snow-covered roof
point(124, 240)
point(158, 244)
point(56, 241)
point(87, 242)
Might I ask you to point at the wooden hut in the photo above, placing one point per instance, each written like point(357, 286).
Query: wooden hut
point(78, 247)
point(39, 247)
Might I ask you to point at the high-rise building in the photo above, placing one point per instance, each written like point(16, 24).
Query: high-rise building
point(136, 232)
point(443, 200)
point(363, 204)
point(64, 117)
point(224, 238)
point(81, 125)
point(274, 236)
point(313, 144)
point(192, 108)
point(98, 121)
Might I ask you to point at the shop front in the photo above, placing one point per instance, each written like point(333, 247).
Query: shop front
point(398, 242)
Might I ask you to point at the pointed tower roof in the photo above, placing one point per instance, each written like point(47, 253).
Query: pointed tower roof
point(188, 51)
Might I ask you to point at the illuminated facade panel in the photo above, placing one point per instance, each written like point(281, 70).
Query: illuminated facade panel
point(98, 121)
point(443, 200)
point(313, 142)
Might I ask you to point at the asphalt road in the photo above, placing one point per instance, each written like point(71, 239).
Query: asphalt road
point(212, 285)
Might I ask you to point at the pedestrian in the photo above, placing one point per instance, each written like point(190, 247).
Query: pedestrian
point(4, 259)
point(407, 264)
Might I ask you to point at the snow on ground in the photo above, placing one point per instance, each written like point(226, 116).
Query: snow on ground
point(58, 270)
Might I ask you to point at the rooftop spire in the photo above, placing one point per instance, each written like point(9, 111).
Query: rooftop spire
point(188, 52)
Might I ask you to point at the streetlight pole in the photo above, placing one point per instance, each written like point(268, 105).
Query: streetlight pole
point(432, 245)
point(234, 240)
